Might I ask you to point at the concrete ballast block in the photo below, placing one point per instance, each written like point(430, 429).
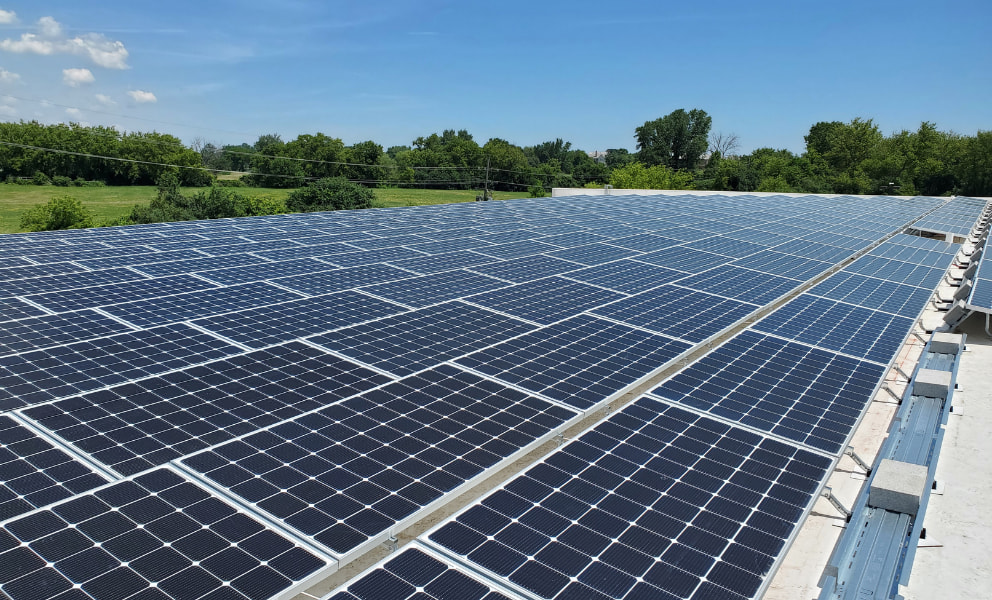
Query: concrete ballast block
point(898, 486)
point(946, 343)
point(932, 384)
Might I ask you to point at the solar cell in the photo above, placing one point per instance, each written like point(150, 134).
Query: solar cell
point(680, 259)
point(580, 362)
point(897, 270)
point(54, 330)
point(655, 502)
point(139, 259)
point(741, 284)
point(432, 289)
point(43, 375)
point(726, 247)
point(626, 276)
point(367, 257)
point(182, 307)
point(593, 254)
point(409, 342)
point(414, 574)
point(832, 325)
point(517, 249)
point(325, 282)
point(265, 326)
point(158, 536)
point(545, 301)
point(918, 256)
point(142, 424)
point(15, 273)
point(193, 265)
point(102, 295)
point(446, 246)
point(801, 393)
point(346, 474)
point(34, 473)
point(298, 251)
point(677, 312)
point(888, 296)
point(645, 242)
point(571, 240)
point(814, 250)
point(981, 293)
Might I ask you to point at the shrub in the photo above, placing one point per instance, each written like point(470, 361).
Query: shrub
point(61, 181)
point(61, 212)
point(93, 184)
point(537, 191)
point(41, 179)
point(255, 206)
point(79, 182)
point(330, 193)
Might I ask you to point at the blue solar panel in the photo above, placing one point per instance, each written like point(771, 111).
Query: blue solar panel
point(443, 262)
point(413, 574)
point(34, 473)
point(527, 268)
point(645, 242)
point(888, 296)
point(677, 312)
point(832, 325)
point(102, 295)
point(517, 249)
point(12, 309)
point(917, 256)
point(326, 282)
point(53, 283)
point(897, 270)
point(655, 502)
point(193, 265)
point(54, 330)
point(580, 362)
point(784, 265)
point(261, 272)
point(741, 284)
point(546, 301)
point(593, 254)
point(182, 307)
point(15, 273)
point(801, 393)
point(43, 375)
point(146, 423)
point(433, 289)
point(981, 293)
point(348, 473)
point(261, 327)
point(726, 246)
point(155, 537)
point(626, 276)
point(808, 249)
point(683, 260)
point(409, 342)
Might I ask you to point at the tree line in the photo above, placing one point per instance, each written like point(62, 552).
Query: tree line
point(676, 151)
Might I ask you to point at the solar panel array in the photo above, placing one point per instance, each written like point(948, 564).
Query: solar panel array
point(956, 217)
point(330, 377)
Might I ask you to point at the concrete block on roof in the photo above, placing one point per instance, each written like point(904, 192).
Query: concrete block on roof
point(931, 383)
point(956, 313)
point(946, 343)
point(898, 486)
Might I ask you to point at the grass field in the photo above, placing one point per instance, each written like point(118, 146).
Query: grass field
point(111, 202)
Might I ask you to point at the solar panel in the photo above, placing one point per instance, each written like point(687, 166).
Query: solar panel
point(783, 265)
point(12, 309)
point(581, 361)
point(594, 254)
point(325, 282)
point(897, 270)
point(139, 259)
point(517, 249)
point(888, 296)
point(740, 284)
point(354, 259)
point(726, 247)
point(545, 301)
point(433, 289)
point(15, 273)
point(645, 242)
point(43, 375)
point(801, 393)
point(860, 332)
point(135, 426)
point(981, 293)
point(814, 250)
point(157, 536)
point(193, 265)
point(680, 259)
point(54, 330)
point(39, 285)
point(655, 502)
point(263, 271)
point(269, 325)
point(92, 297)
point(918, 256)
point(626, 276)
point(413, 341)
point(181, 307)
point(346, 474)
point(34, 473)
point(416, 574)
point(443, 262)
point(677, 312)
point(527, 268)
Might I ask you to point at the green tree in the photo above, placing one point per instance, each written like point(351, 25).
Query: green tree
point(676, 140)
point(618, 157)
point(61, 212)
point(637, 176)
point(330, 193)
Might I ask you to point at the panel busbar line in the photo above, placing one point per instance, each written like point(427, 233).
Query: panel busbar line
point(654, 502)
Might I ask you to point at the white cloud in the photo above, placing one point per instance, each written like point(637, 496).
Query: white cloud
point(49, 27)
point(142, 97)
point(50, 39)
point(72, 112)
point(8, 111)
point(8, 77)
point(105, 100)
point(7, 17)
point(77, 77)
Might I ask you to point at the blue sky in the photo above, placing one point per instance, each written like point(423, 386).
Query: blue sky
point(589, 72)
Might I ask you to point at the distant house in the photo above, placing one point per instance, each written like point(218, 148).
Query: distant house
point(598, 156)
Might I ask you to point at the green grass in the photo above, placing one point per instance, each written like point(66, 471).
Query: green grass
point(111, 202)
